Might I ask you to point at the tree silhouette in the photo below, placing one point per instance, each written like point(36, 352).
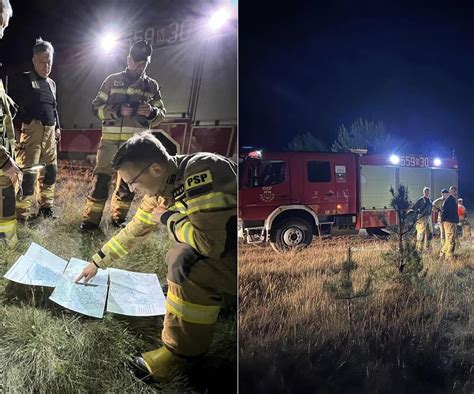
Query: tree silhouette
point(306, 142)
point(364, 134)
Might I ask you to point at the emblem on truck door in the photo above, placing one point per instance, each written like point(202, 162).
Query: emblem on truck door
point(267, 195)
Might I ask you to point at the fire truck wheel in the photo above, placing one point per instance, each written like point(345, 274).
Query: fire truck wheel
point(292, 234)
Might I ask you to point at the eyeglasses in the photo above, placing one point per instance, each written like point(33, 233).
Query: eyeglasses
point(138, 176)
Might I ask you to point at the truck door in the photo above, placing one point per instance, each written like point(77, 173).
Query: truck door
point(319, 183)
point(265, 185)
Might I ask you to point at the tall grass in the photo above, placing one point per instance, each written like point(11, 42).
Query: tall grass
point(46, 349)
point(295, 336)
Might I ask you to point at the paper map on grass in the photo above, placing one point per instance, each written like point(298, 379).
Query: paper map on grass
point(129, 293)
point(135, 294)
point(88, 299)
point(38, 267)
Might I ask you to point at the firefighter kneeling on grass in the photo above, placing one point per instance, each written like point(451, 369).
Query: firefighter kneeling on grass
point(195, 197)
point(423, 209)
point(450, 221)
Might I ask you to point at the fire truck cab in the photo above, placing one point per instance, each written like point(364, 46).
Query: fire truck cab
point(287, 198)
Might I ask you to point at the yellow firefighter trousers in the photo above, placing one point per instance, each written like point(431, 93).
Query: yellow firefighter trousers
point(122, 197)
point(450, 242)
point(37, 146)
point(194, 299)
point(442, 236)
point(423, 233)
point(466, 230)
point(7, 212)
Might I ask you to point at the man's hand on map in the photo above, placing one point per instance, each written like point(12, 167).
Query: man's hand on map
point(88, 273)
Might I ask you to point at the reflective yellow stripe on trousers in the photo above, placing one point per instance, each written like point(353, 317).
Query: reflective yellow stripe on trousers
point(193, 313)
point(8, 227)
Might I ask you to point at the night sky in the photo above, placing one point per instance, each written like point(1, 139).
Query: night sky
point(311, 66)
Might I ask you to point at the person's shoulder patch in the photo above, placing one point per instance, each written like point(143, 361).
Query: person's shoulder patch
point(198, 179)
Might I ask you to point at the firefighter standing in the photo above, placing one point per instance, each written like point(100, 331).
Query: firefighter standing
point(35, 94)
point(423, 209)
point(464, 219)
point(438, 208)
point(127, 102)
point(9, 171)
point(450, 220)
point(195, 197)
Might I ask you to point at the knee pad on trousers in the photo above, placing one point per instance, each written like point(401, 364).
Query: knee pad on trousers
point(100, 186)
point(28, 184)
point(8, 205)
point(180, 259)
point(50, 172)
point(124, 192)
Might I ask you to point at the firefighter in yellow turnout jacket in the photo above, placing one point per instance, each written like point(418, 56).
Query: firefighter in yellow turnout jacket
point(195, 197)
point(127, 102)
point(423, 208)
point(9, 172)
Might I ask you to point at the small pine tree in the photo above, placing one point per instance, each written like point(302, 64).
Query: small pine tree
point(404, 254)
point(343, 288)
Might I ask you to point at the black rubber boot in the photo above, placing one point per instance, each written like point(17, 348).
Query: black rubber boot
point(88, 226)
point(47, 212)
point(137, 367)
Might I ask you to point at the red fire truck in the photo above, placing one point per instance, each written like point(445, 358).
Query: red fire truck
point(287, 198)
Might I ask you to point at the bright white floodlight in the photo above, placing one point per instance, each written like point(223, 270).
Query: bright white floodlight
point(437, 161)
point(108, 42)
point(394, 159)
point(219, 18)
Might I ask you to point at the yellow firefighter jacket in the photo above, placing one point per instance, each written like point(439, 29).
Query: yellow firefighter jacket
point(118, 89)
point(7, 131)
point(201, 199)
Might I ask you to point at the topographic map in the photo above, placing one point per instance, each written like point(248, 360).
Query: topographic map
point(38, 267)
point(135, 294)
point(88, 299)
point(129, 293)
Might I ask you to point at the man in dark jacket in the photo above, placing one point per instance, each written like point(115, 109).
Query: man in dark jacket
point(450, 220)
point(35, 93)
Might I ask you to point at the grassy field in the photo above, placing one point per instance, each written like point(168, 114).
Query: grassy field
point(295, 336)
point(47, 349)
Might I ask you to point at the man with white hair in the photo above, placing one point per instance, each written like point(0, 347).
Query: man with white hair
point(35, 94)
point(423, 209)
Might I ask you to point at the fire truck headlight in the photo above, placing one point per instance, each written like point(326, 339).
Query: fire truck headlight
point(219, 18)
point(394, 159)
point(437, 161)
point(108, 42)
